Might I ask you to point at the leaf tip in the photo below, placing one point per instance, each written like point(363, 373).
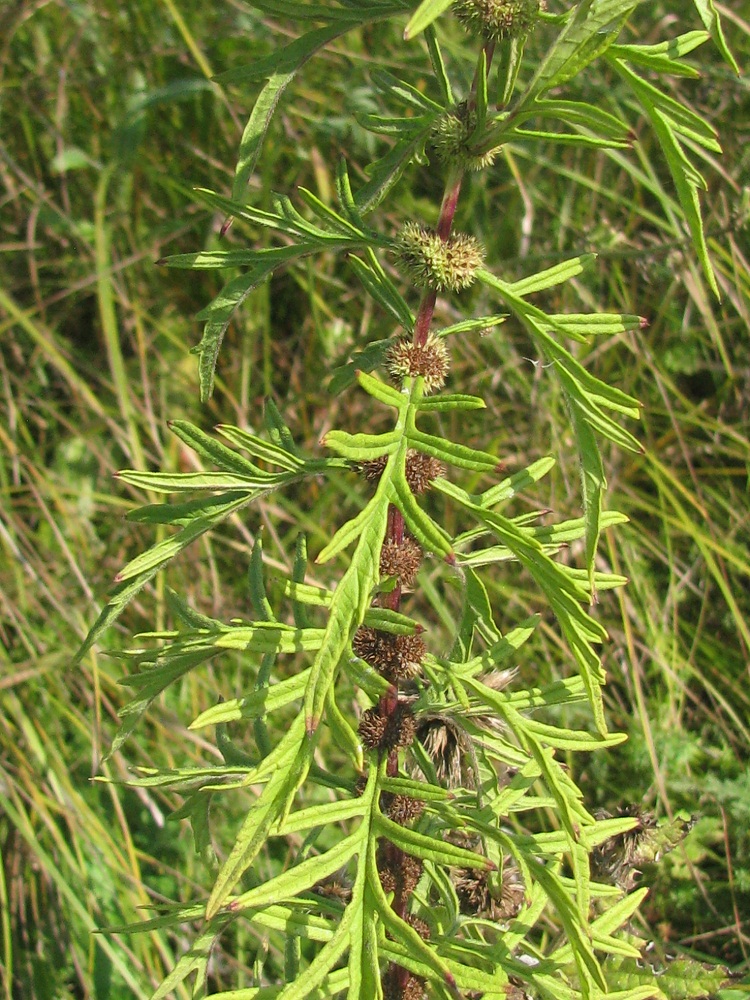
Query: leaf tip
point(225, 226)
point(311, 725)
point(160, 262)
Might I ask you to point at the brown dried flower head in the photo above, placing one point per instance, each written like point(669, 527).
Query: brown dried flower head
point(420, 926)
point(413, 989)
point(400, 877)
point(402, 809)
point(401, 560)
point(396, 657)
point(372, 470)
point(422, 470)
point(477, 897)
point(387, 732)
point(449, 748)
point(405, 359)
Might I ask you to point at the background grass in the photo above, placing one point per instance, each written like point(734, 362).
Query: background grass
point(107, 118)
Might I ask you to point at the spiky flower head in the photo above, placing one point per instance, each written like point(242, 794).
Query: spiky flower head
point(396, 657)
point(401, 877)
point(420, 926)
point(494, 20)
point(402, 809)
point(387, 732)
point(372, 469)
point(431, 361)
point(422, 470)
point(432, 262)
point(401, 560)
point(450, 140)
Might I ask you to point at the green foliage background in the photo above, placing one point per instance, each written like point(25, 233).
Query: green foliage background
point(107, 120)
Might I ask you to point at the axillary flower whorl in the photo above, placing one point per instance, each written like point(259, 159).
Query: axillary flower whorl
point(432, 262)
point(401, 560)
point(450, 140)
point(494, 20)
point(432, 361)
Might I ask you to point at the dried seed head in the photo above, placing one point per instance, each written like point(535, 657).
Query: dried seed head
point(334, 889)
point(430, 361)
point(450, 139)
point(432, 262)
point(499, 679)
point(494, 20)
point(401, 560)
point(413, 989)
point(449, 749)
point(422, 470)
point(420, 926)
point(372, 727)
point(479, 898)
point(400, 877)
point(387, 732)
point(402, 809)
point(622, 858)
point(372, 470)
point(396, 657)
point(411, 873)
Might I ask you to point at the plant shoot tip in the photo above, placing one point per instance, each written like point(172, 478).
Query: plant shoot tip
point(226, 226)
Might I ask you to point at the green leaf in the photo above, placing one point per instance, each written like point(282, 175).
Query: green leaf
point(142, 569)
point(663, 57)
point(218, 315)
point(710, 18)
point(382, 289)
point(281, 68)
point(261, 449)
point(194, 960)
point(420, 845)
point(591, 29)
point(393, 87)
point(180, 482)
point(362, 447)
point(254, 705)
point(424, 15)
point(428, 533)
point(300, 877)
point(551, 276)
point(589, 970)
point(438, 67)
point(451, 401)
point(289, 762)
point(667, 122)
point(517, 483)
point(562, 592)
point(348, 607)
point(581, 114)
point(683, 978)
point(387, 171)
